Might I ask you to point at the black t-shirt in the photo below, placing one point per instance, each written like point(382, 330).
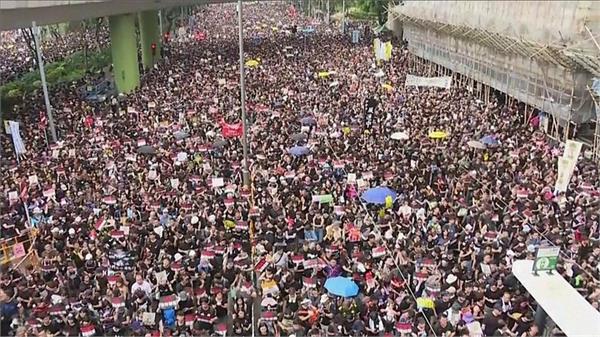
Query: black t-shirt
point(492, 323)
point(439, 329)
point(494, 296)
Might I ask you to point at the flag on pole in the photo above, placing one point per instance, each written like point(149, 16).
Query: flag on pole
point(16, 137)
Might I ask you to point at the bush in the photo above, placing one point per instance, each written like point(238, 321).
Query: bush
point(70, 69)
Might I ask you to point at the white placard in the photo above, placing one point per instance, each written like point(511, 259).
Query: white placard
point(13, 196)
point(125, 230)
point(175, 183)
point(361, 183)
point(218, 182)
point(55, 154)
point(161, 277)
point(159, 231)
point(33, 180)
point(351, 178)
point(152, 174)
point(182, 157)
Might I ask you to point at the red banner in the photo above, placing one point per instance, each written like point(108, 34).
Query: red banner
point(232, 130)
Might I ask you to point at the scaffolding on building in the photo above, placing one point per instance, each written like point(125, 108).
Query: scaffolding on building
point(549, 78)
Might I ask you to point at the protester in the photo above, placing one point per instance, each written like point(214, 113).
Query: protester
point(145, 227)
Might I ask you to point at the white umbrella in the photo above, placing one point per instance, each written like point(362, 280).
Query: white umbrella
point(476, 144)
point(399, 136)
point(379, 73)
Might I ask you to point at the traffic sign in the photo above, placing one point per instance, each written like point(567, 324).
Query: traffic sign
point(546, 259)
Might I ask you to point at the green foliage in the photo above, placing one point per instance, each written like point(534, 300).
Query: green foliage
point(72, 68)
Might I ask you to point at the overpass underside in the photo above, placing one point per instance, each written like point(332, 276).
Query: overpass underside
point(549, 78)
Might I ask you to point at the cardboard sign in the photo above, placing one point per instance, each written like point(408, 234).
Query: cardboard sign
point(18, 250)
point(152, 175)
point(175, 183)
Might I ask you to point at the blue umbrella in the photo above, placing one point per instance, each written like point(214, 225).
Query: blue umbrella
point(377, 195)
point(489, 140)
point(298, 151)
point(341, 286)
point(308, 121)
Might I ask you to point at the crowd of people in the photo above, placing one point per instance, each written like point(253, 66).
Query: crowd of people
point(145, 228)
point(17, 50)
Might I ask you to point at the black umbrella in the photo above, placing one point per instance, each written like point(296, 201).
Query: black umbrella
point(299, 136)
point(146, 149)
point(179, 135)
point(219, 143)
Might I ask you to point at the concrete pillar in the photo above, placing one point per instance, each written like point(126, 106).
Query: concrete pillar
point(123, 44)
point(149, 35)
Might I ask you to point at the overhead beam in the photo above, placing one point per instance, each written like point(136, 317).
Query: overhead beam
point(20, 14)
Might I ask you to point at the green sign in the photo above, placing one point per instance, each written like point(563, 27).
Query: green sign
point(546, 259)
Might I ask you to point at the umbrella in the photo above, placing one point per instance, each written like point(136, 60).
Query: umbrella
point(298, 151)
point(179, 135)
point(387, 86)
point(219, 143)
point(399, 136)
point(476, 144)
point(299, 136)
point(146, 149)
point(489, 140)
point(341, 286)
point(377, 195)
point(379, 73)
point(252, 63)
point(437, 135)
point(308, 121)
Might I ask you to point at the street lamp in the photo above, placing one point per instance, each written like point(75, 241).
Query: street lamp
point(245, 171)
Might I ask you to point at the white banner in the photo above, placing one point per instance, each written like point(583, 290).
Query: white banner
point(565, 170)
point(440, 82)
point(572, 149)
point(16, 137)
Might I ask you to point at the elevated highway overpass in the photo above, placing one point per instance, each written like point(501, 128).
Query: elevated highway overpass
point(122, 18)
point(16, 14)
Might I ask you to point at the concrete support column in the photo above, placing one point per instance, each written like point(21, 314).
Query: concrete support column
point(149, 36)
point(123, 44)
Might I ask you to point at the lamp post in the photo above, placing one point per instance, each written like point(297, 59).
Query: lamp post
point(38, 49)
point(245, 171)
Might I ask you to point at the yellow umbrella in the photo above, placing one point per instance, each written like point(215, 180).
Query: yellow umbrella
point(438, 135)
point(387, 86)
point(275, 29)
point(323, 74)
point(228, 224)
point(252, 63)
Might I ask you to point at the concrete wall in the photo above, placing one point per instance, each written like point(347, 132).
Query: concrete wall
point(545, 22)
